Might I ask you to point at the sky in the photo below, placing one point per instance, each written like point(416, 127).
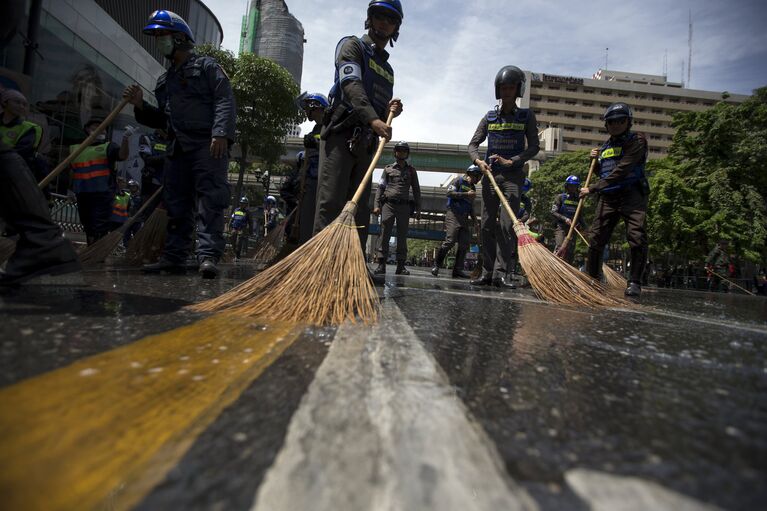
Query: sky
point(449, 51)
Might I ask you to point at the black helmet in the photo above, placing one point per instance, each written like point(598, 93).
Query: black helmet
point(402, 145)
point(510, 75)
point(391, 8)
point(474, 170)
point(618, 111)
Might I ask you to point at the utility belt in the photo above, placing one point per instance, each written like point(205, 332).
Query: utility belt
point(346, 122)
point(393, 201)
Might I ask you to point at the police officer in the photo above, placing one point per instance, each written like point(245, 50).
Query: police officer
point(271, 213)
point(506, 127)
point(563, 211)
point(93, 179)
point(392, 203)
point(154, 151)
point(314, 106)
point(241, 225)
point(460, 209)
point(15, 131)
point(360, 101)
point(196, 107)
point(623, 192)
point(41, 248)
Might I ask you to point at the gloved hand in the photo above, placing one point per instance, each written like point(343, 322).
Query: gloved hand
point(129, 131)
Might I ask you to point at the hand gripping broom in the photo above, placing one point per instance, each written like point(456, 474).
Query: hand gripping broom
point(551, 278)
point(104, 247)
point(324, 282)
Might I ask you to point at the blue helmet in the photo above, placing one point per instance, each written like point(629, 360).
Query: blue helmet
point(618, 111)
point(167, 20)
point(309, 99)
point(573, 180)
point(390, 7)
point(299, 157)
point(473, 170)
point(526, 185)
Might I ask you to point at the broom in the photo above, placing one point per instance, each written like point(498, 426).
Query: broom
point(269, 246)
point(104, 247)
point(84, 144)
point(613, 279)
point(552, 279)
point(324, 282)
point(146, 246)
point(729, 281)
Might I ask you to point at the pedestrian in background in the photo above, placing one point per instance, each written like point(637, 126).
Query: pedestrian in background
point(240, 227)
point(393, 204)
point(196, 107)
point(314, 105)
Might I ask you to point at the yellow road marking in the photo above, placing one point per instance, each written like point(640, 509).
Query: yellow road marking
point(105, 430)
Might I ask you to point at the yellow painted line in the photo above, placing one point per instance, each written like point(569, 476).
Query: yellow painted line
point(102, 432)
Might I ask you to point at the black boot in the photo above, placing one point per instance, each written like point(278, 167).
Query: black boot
point(634, 290)
point(439, 261)
point(381, 268)
point(638, 257)
point(41, 248)
point(165, 266)
point(504, 282)
point(458, 272)
point(594, 263)
point(401, 270)
point(485, 280)
point(208, 268)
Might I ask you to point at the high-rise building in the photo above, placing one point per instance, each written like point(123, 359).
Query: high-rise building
point(270, 31)
point(568, 109)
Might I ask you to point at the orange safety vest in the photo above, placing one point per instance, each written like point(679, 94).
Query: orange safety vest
point(91, 170)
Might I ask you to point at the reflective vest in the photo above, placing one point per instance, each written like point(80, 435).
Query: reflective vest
point(461, 206)
point(524, 204)
point(11, 134)
point(506, 136)
point(239, 219)
point(120, 208)
point(377, 78)
point(568, 206)
point(91, 171)
point(609, 156)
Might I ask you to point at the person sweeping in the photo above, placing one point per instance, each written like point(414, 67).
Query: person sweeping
point(622, 191)
point(507, 127)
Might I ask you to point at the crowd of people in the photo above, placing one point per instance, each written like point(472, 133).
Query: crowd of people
point(188, 154)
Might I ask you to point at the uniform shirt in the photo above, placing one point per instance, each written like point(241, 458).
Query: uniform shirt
point(354, 90)
point(25, 145)
point(395, 185)
point(113, 155)
point(633, 153)
point(560, 218)
point(195, 103)
point(247, 225)
point(531, 135)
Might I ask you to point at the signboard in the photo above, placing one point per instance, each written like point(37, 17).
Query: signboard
point(571, 80)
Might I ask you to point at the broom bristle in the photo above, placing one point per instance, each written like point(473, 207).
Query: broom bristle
point(324, 282)
point(103, 248)
point(613, 280)
point(7, 248)
point(146, 246)
point(556, 281)
point(269, 246)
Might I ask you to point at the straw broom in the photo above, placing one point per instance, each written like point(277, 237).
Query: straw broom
point(324, 282)
point(613, 279)
point(552, 279)
point(146, 246)
point(268, 247)
point(104, 247)
point(729, 281)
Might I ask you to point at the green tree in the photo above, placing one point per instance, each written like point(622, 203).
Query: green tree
point(265, 94)
point(720, 154)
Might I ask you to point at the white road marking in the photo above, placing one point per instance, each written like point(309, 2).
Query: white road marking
point(381, 429)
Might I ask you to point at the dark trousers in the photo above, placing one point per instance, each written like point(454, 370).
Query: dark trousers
point(389, 214)
point(95, 209)
point(341, 172)
point(308, 209)
point(25, 210)
point(560, 233)
point(239, 241)
point(456, 231)
point(196, 190)
point(498, 241)
point(629, 204)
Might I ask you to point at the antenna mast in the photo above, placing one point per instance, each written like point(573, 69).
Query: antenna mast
point(689, 56)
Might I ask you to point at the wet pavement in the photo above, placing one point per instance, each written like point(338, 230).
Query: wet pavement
point(461, 398)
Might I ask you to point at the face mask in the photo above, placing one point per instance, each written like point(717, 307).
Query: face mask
point(166, 45)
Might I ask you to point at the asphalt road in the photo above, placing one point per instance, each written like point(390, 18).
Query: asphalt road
point(114, 397)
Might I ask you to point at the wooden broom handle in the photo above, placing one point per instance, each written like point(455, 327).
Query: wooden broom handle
point(501, 196)
point(369, 173)
point(580, 205)
point(85, 143)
